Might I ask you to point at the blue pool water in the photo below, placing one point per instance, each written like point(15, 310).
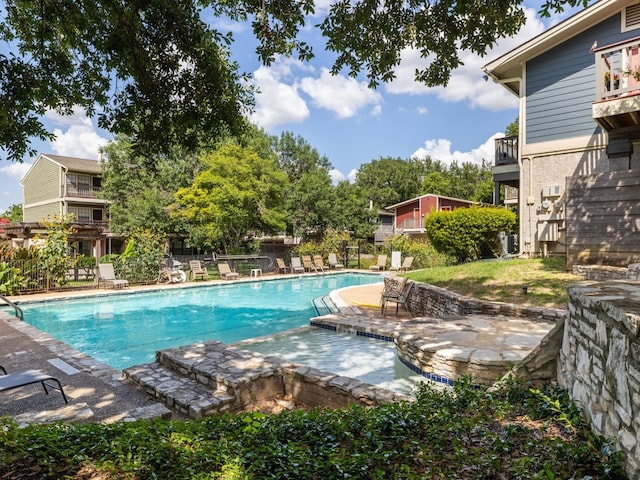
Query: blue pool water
point(125, 330)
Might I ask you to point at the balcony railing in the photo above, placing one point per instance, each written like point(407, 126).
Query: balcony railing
point(506, 151)
point(409, 223)
point(81, 191)
point(617, 70)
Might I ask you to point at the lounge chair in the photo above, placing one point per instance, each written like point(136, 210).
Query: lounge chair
point(197, 270)
point(108, 277)
point(406, 265)
point(318, 262)
point(225, 271)
point(381, 264)
point(282, 267)
point(307, 263)
point(395, 291)
point(29, 377)
point(333, 262)
point(296, 265)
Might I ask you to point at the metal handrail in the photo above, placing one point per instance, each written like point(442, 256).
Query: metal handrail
point(19, 312)
point(324, 301)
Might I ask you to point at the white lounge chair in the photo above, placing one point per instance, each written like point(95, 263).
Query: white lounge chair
point(406, 265)
point(108, 277)
point(333, 262)
point(381, 264)
point(296, 265)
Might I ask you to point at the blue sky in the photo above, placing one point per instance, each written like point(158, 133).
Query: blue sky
point(338, 115)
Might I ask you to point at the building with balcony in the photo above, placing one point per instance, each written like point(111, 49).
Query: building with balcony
point(576, 161)
point(58, 186)
point(408, 216)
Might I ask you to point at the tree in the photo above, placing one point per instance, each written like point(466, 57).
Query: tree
point(296, 157)
point(311, 202)
point(237, 193)
point(513, 128)
point(351, 211)
point(158, 73)
point(13, 213)
point(141, 189)
point(387, 181)
point(151, 70)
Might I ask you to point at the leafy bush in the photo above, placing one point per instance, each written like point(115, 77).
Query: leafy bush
point(141, 258)
point(465, 433)
point(423, 253)
point(469, 233)
point(11, 279)
point(53, 249)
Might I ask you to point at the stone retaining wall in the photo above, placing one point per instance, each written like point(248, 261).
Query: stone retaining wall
point(603, 273)
point(599, 362)
point(429, 300)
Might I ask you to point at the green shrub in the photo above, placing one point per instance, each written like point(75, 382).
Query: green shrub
point(423, 253)
point(468, 234)
point(140, 261)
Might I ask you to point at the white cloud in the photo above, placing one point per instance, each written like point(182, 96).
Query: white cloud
point(352, 175)
point(336, 176)
point(78, 137)
point(16, 170)
point(276, 102)
point(466, 83)
point(440, 149)
point(341, 95)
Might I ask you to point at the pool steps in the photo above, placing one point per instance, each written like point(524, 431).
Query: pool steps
point(202, 379)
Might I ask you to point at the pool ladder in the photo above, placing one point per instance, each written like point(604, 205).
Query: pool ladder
point(324, 305)
point(18, 310)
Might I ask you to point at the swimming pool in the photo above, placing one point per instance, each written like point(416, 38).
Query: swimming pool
point(375, 362)
point(125, 330)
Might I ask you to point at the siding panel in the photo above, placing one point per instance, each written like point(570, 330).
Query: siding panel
point(42, 183)
point(560, 86)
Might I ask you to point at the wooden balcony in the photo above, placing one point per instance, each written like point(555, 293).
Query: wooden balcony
point(617, 100)
point(506, 151)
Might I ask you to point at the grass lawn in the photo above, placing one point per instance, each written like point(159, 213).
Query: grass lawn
point(502, 280)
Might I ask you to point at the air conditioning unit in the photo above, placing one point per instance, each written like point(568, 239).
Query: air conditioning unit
point(547, 232)
point(551, 191)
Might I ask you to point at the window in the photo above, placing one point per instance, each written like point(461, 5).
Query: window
point(97, 214)
point(82, 214)
point(631, 17)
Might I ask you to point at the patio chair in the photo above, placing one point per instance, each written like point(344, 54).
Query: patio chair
point(318, 262)
point(225, 271)
point(307, 263)
point(333, 262)
point(406, 265)
point(381, 264)
point(107, 276)
point(9, 381)
point(296, 265)
point(282, 267)
point(395, 291)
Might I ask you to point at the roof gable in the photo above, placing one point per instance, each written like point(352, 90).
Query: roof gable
point(508, 68)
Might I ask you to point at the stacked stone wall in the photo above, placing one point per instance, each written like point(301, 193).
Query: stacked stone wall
point(429, 300)
point(599, 362)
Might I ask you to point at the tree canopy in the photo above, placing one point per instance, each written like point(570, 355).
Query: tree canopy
point(157, 72)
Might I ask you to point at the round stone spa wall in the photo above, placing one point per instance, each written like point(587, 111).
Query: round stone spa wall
point(599, 361)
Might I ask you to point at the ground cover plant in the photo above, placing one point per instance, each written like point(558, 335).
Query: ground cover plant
point(546, 280)
point(512, 432)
